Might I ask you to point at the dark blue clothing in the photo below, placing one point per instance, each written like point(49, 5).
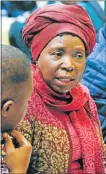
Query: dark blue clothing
point(15, 38)
point(95, 76)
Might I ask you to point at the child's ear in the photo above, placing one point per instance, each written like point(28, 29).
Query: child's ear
point(7, 106)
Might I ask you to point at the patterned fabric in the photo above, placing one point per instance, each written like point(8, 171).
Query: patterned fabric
point(32, 131)
point(47, 144)
point(52, 143)
point(47, 147)
point(4, 168)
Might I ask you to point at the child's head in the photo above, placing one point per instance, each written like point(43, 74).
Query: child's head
point(16, 83)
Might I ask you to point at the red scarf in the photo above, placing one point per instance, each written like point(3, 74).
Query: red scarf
point(87, 127)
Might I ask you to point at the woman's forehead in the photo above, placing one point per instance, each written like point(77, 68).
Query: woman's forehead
point(65, 40)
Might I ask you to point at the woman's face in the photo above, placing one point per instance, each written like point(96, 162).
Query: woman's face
point(62, 62)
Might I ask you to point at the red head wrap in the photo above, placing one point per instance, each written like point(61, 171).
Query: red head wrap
point(47, 22)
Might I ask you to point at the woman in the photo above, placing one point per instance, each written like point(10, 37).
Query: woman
point(66, 136)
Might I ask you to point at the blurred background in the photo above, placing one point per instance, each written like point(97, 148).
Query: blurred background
point(15, 13)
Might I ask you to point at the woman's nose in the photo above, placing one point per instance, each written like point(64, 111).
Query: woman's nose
point(67, 64)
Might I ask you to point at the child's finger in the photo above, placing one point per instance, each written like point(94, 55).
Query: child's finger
point(20, 138)
point(8, 143)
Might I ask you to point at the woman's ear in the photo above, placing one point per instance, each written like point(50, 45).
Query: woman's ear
point(6, 108)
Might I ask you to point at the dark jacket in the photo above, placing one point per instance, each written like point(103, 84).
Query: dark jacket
point(95, 76)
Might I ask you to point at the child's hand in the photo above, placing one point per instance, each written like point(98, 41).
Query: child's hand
point(17, 159)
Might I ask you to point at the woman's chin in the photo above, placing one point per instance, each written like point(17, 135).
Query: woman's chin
point(63, 90)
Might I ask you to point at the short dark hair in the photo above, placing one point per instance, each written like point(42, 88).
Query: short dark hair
point(15, 67)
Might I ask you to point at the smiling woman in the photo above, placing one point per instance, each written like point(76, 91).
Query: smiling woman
point(66, 136)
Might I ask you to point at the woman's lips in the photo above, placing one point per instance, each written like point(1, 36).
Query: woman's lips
point(64, 80)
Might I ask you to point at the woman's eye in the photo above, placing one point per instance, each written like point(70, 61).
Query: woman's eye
point(78, 55)
point(58, 54)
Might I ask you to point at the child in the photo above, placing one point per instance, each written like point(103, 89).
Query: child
point(16, 83)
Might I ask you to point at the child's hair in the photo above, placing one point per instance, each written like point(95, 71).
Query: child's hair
point(15, 67)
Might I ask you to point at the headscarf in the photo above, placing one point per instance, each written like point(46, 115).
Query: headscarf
point(46, 23)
